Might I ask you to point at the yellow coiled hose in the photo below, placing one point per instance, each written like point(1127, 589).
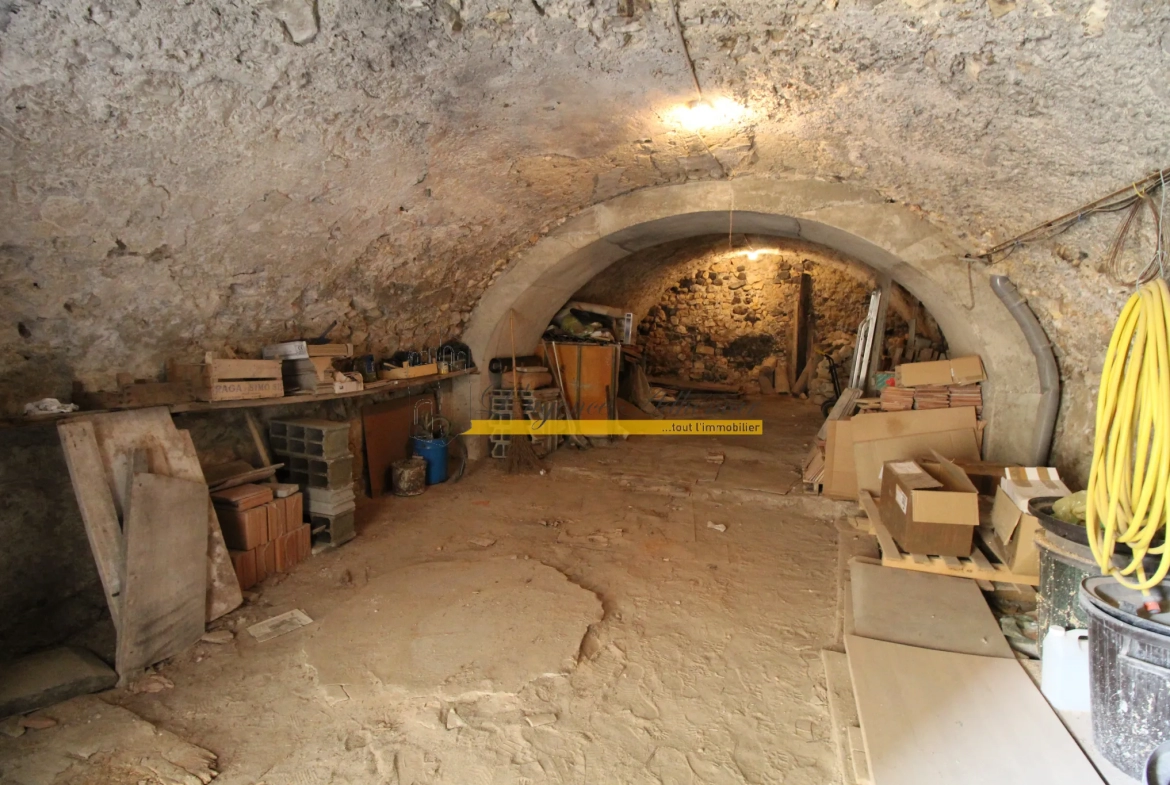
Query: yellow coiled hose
point(1129, 483)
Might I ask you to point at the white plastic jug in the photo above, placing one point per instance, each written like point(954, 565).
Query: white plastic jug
point(1064, 669)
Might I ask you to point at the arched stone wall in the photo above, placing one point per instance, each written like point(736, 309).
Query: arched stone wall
point(891, 238)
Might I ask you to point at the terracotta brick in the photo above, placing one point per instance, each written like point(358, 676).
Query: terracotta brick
point(276, 522)
point(243, 497)
point(261, 567)
point(243, 530)
point(294, 511)
point(285, 555)
point(244, 563)
point(305, 536)
point(266, 555)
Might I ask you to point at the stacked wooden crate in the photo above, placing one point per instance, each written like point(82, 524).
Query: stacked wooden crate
point(317, 457)
point(265, 534)
point(219, 379)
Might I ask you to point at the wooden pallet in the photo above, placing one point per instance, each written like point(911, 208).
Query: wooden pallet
point(976, 566)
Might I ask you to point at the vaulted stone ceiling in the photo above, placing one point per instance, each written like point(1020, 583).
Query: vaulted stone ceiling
point(181, 176)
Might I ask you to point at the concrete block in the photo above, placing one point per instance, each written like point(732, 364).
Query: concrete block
point(48, 677)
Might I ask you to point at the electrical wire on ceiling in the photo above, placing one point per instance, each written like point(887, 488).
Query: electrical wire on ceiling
point(1130, 198)
point(1155, 265)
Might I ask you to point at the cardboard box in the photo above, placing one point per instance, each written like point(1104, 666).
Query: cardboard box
point(244, 563)
point(243, 530)
point(1012, 536)
point(1022, 483)
point(840, 477)
point(870, 457)
point(930, 507)
point(893, 436)
point(1013, 529)
point(984, 474)
point(960, 370)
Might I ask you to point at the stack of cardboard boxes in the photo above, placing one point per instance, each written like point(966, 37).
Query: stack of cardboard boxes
point(933, 507)
point(922, 467)
point(317, 457)
point(264, 534)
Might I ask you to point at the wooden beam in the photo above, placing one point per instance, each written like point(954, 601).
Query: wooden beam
point(886, 284)
point(96, 503)
point(257, 438)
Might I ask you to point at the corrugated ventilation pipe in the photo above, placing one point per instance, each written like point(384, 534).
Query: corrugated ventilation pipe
point(1045, 361)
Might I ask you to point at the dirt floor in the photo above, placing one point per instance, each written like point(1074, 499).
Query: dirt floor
point(587, 626)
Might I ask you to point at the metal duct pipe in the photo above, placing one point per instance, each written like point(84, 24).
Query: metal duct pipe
point(1045, 363)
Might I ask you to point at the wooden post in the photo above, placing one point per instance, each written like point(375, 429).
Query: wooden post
point(886, 285)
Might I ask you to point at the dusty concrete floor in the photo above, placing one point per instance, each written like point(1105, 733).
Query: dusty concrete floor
point(672, 653)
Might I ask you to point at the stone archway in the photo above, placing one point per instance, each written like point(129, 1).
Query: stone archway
point(891, 238)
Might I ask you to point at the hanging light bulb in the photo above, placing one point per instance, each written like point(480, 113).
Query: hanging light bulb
point(702, 115)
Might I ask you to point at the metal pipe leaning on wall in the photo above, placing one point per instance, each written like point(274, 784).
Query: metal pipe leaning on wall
point(1045, 362)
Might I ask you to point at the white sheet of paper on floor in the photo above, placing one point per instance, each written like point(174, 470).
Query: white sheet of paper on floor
point(279, 625)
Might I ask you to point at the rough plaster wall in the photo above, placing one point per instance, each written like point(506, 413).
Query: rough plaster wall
point(177, 177)
point(255, 170)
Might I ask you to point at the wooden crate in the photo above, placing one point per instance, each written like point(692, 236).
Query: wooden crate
point(409, 371)
point(134, 395)
point(219, 379)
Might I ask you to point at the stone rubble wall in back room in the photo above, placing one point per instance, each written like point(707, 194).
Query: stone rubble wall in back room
point(716, 311)
point(721, 322)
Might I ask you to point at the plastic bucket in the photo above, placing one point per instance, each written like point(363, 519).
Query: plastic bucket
point(434, 452)
point(1063, 566)
point(1129, 676)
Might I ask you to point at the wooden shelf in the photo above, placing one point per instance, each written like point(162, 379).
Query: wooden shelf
point(252, 403)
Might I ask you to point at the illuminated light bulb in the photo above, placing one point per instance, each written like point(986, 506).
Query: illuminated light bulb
point(754, 254)
point(701, 115)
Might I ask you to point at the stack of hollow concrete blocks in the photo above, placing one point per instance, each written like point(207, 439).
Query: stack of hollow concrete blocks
point(317, 457)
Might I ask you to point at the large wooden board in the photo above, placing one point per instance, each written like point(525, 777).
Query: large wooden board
point(842, 710)
point(163, 600)
point(589, 374)
point(96, 503)
point(842, 409)
point(223, 588)
point(931, 717)
point(169, 452)
point(919, 609)
point(386, 430)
